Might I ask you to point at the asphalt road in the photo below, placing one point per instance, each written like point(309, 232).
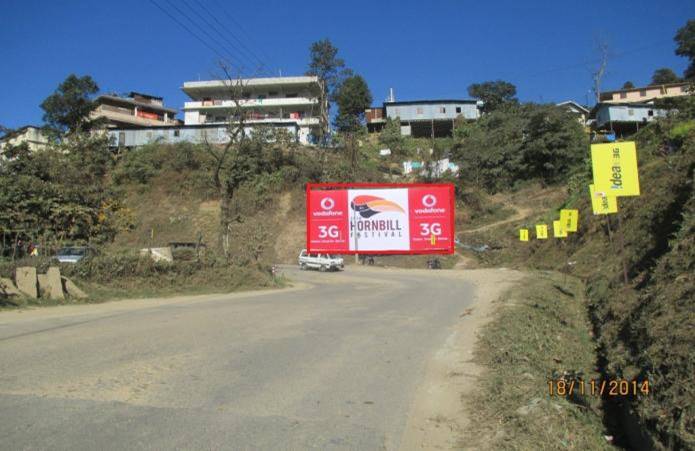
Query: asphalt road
point(333, 364)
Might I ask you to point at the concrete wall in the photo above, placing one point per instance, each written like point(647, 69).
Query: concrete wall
point(198, 135)
point(434, 110)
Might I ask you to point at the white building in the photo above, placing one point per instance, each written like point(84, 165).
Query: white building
point(292, 103)
point(32, 136)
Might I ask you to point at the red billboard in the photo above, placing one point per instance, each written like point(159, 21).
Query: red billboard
point(369, 218)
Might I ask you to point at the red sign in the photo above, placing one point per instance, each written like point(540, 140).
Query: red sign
point(367, 218)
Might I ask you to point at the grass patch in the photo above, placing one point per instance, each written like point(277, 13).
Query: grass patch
point(541, 330)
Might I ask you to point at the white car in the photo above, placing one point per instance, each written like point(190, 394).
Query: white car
point(322, 262)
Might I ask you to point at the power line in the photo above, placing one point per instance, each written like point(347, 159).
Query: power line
point(182, 25)
point(248, 51)
point(210, 37)
point(209, 25)
point(241, 29)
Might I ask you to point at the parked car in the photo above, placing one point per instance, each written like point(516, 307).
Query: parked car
point(322, 262)
point(73, 254)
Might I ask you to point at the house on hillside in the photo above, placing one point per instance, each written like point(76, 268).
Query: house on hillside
point(578, 110)
point(133, 110)
point(294, 103)
point(424, 118)
point(30, 135)
point(645, 94)
point(624, 118)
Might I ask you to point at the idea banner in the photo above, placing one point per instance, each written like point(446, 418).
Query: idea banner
point(365, 218)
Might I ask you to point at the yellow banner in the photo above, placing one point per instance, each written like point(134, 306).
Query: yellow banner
point(569, 220)
point(558, 230)
point(523, 234)
point(541, 232)
point(615, 169)
point(602, 204)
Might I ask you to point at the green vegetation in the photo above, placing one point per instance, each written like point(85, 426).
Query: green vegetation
point(539, 333)
point(664, 76)
point(494, 94)
point(519, 143)
point(644, 328)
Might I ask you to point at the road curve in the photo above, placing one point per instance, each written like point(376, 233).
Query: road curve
point(332, 364)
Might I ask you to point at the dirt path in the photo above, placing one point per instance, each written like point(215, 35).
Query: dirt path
point(437, 416)
point(521, 213)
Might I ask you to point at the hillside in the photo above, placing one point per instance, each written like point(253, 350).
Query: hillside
point(645, 327)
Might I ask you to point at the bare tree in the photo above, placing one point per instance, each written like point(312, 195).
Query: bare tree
point(225, 157)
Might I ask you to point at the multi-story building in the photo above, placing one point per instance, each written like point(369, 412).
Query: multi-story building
point(424, 118)
point(646, 94)
point(30, 135)
point(292, 103)
point(134, 110)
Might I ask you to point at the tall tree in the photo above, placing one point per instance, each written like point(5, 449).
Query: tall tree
point(664, 76)
point(353, 97)
point(331, 70)
point(68, 108)
point(493, 93)
point(628, 85)
point(685, 38)
point(325, 64)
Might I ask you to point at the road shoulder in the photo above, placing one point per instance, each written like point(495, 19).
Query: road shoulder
point(437, 415)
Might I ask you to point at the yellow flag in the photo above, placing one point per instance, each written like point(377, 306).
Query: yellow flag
point(569, 219)
point(602, 204)
point(558, 230)
point(541, 232)
point(615, 169)
point(523, 234)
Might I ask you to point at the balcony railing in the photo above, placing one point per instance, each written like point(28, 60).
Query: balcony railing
point(248, 103)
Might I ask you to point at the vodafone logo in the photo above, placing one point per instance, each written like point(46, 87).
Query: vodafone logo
point(429, 201)
point(327, 203)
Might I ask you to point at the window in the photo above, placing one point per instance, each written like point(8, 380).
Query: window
point(291, 95)
point(650, 113)
point(630, 112)
point(442, 110)
point(623, 95)
point(458, 109)
point(643, 93)
point(418, 110)
point(177, 132)
point(272, 93)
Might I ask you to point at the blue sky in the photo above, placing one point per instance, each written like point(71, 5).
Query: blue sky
point(422, 49)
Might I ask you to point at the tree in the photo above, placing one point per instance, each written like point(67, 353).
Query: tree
point(353, 97)
point(325, 64)
point(68, 108)
point(664, 76)
point(685, 38)
point(628, 85)
point(493, 93)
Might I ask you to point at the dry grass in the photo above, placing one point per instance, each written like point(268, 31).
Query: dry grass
point(539, 329)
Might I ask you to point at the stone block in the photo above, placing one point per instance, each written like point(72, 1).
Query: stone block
point(55, 284)
point(72, 290)
point(26, 281)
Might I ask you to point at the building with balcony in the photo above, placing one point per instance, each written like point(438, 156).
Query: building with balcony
point(292, 103)
point(424, 118)
point(134, 110)
point(646, 94)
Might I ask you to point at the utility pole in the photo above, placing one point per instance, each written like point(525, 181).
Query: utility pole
point(601, 71)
